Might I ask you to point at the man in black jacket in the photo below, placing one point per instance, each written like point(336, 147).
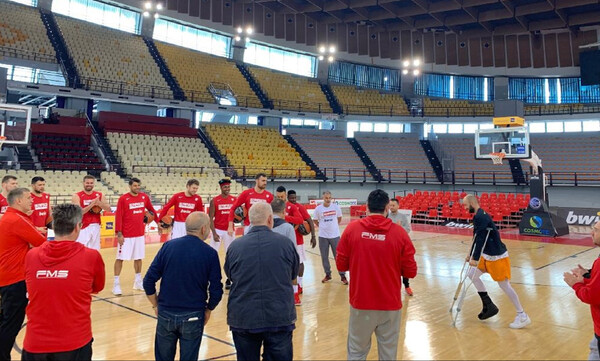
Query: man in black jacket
point(260, 309)
point(493, 260)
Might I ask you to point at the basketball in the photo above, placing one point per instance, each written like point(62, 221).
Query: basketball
point(303, 228)
point(166, 222)
point(148, 217)
point(239, 214)
point(96, 209)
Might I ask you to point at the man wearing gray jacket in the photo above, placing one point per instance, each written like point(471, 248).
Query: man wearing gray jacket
point(260, 309)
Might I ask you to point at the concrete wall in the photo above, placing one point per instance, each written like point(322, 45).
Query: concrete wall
point(126, 108)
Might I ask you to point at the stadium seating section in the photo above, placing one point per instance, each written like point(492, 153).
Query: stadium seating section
point(438, 207)
point(291, 92)
point(105, 57)
point(145, 124)
point(252, 150)
point(451, 108)
point(369, 102)
point(330, 152)
point(22, 30)
point(162, 186)
point(554, 109)
point(195, 72)
point(460, 149)
point(401, 153)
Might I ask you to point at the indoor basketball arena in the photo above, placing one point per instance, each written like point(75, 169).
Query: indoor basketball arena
point(299, 179)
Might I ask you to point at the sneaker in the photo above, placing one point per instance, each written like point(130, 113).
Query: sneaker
point(520, 321)
point(344, 281)
point(489, 311)
point(117, 290)
point(138, 285)
point(227, 284)
point(409, 291)
point(326, 279)
point(297, 300)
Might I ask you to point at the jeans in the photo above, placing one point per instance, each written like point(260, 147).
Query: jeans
point(14, 301)
point(277, 345)
point(83, 353)
point(187, 327)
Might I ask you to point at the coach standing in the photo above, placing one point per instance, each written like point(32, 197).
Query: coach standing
point(260, 310)
point(190, 272)
point(17, 232)
point(61, 276)
point(374, 248)
point(586, 284)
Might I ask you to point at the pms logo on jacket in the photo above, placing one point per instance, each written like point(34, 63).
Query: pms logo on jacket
point(373, 236)
point(57, 274)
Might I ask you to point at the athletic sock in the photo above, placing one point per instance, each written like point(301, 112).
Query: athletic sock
point(299, 281)
point(295, 288)
point(117, 280)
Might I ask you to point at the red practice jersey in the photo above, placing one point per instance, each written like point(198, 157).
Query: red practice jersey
point(305, 216)
point(294, 217)
point(184, 205)
point(129, 218)
point(40, 207)
point(248, 198)
point(222, 208)
point(3, 204)
point(84, 201)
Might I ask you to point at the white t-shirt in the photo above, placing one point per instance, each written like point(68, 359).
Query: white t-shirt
point(327, 217)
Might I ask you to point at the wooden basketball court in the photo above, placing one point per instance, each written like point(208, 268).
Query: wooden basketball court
point(561, 325)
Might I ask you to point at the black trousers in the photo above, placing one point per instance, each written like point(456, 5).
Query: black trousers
point(84, 353)
point(13, 304)
point(406, 282)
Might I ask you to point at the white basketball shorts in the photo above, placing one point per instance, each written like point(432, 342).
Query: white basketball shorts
point(133, 248)
point(90, 236)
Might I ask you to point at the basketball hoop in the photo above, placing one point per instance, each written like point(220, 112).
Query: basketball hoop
point(497, 157)
point(2, 140)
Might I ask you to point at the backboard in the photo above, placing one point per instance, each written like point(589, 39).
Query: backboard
point(15, 121)
point(513, 141)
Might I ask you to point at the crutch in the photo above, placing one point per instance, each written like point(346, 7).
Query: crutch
point(463, 278)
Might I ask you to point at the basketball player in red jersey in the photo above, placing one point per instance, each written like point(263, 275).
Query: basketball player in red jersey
point(258, 194)
point(185, 203)
point(9, 182)
point(87, 199)
point(130, 229)
point(40, 205)
point(218, 212)
point(299, 237)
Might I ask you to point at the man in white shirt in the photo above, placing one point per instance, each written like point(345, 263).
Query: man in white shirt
point(327, 217)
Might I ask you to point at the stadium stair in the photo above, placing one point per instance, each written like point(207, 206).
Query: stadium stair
point(433, 160)
point(212, 150)
point(106, 150)
point(333, 102)
point(164, 70)
point(517, 171)
point(25, 158)
point(62, 52)
point(318, 173)
point(266, 103)
point(365, 159)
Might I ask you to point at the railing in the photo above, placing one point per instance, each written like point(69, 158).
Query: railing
point(456, 112)
point(27, 55)
point(123, 88)
point(397, 110)
point(282, 104)
point(561, 109)
point(174, 169)
point(204, 96)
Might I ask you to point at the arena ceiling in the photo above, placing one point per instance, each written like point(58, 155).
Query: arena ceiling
point(512, 33)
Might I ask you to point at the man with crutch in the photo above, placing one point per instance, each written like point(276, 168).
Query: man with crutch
point(492, 259)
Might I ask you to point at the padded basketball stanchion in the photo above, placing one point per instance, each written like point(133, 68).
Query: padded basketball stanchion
point(458, 295)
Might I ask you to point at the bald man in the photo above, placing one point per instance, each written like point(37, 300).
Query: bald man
point(493, 259)
point(261, 266)
point(586, 284)
point(184, 311)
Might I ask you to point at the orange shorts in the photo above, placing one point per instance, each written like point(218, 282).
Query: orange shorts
point(499, 269)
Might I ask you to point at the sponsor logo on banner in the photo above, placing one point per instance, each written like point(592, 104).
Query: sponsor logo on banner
point(373, 236)
point(535, 222)
point(458, 225)
point(342, 202)
point(536, 229)
point(579, 216)
point(62, 274)
point(535, 203)
point(109, 225)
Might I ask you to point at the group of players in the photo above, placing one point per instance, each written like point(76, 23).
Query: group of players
point(134, 210)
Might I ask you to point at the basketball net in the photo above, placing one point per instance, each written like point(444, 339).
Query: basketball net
point(2, 140)
point(497, 157)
